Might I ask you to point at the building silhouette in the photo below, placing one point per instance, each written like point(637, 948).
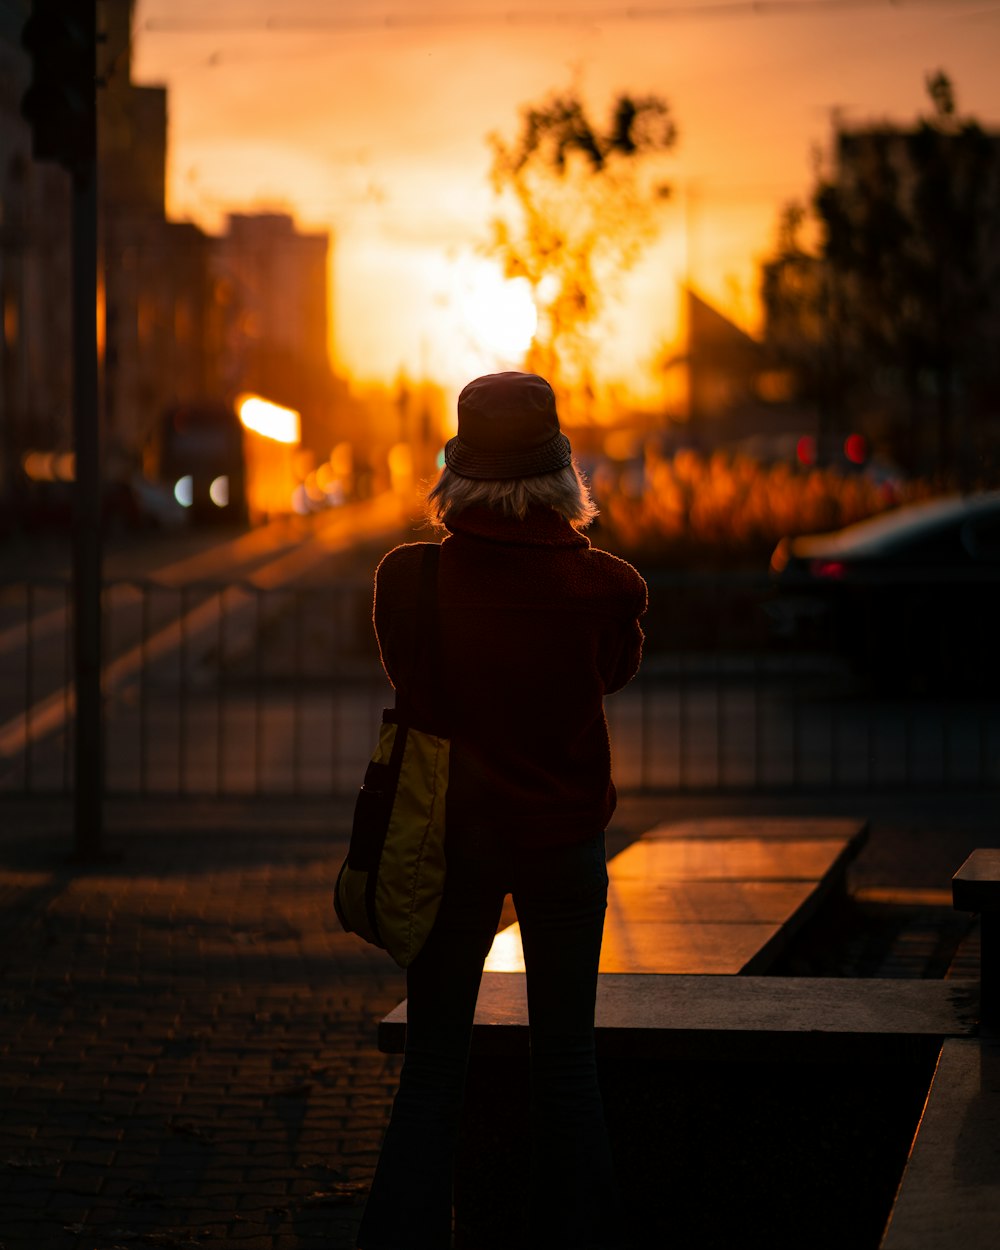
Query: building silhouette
point(35, 378)
point(182, 314)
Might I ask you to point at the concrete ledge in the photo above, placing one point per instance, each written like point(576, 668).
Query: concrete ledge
point(950, 1192)
point(734, 1018)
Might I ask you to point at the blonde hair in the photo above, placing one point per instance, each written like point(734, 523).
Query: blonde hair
point(565, 491)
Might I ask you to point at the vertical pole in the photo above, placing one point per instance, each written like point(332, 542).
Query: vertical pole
point(89, 746)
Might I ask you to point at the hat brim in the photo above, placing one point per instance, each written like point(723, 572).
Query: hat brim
point(496, 466)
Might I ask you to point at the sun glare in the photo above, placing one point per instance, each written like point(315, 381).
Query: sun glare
point(498, 312)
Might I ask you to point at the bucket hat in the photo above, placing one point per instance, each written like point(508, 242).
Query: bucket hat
point(507, 428)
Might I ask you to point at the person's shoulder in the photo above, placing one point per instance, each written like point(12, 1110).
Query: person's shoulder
point(403, 556)
point(618, 573)
point(401, 565)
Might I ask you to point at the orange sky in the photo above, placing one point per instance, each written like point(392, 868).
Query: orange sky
point(370, 120)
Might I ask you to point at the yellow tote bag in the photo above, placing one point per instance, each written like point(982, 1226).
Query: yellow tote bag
point(390, 885)
point(389, 888)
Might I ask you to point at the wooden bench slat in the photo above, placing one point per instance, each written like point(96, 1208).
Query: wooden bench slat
point(705, 902)
point(729, 859)
point(666, 947)
point(950, 1192)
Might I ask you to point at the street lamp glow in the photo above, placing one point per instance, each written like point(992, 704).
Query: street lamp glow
point(268, 419)
point(184, 491)
point(218, 492)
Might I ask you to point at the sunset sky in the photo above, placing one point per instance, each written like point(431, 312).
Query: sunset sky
point(371, 120)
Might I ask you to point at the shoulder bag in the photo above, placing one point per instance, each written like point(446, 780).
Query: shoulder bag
point(389, 888)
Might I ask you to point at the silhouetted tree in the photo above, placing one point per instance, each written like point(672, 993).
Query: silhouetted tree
point(898, 305)
point(806, 328)
point(578, 204)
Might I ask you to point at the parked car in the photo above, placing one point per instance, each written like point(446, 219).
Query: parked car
point(909, 596)
point(127, 504)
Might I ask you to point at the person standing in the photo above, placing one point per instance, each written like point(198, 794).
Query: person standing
point(535, 627)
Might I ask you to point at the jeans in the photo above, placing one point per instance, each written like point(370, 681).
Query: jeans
point(560, 895)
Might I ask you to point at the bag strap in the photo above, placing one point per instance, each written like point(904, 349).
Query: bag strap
point(427, 668)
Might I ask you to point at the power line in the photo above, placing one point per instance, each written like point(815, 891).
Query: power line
point(541, 17)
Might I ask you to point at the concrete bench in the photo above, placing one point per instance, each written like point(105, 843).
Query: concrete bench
point(711, 896)
point(742, 1107)
point(761, 1111)
point(950, 1191)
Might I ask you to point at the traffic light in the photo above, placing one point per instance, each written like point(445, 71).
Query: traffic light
point(60, 104)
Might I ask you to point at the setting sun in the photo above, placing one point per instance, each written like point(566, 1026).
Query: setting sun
point(499, 312)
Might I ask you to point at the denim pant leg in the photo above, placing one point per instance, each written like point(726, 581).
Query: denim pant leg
point(561, 898)
point(409, 1207)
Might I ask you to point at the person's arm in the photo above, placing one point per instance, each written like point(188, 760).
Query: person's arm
point(623, 644)
point(626, 658)
point(395, 593)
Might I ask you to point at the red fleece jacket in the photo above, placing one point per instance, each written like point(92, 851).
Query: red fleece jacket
point(536, 626)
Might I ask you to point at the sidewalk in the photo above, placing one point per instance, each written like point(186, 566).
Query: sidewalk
point(188, 1040)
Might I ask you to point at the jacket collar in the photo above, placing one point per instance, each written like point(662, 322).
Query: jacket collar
point(542, 527)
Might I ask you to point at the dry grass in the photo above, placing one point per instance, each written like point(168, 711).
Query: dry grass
point(729, 509)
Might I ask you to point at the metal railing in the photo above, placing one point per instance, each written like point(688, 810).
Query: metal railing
point(227, 689)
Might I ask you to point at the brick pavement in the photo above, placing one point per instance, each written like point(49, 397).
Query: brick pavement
point(187, 1041)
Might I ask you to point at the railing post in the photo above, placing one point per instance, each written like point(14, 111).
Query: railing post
point(976, 888)
point(87, 574)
